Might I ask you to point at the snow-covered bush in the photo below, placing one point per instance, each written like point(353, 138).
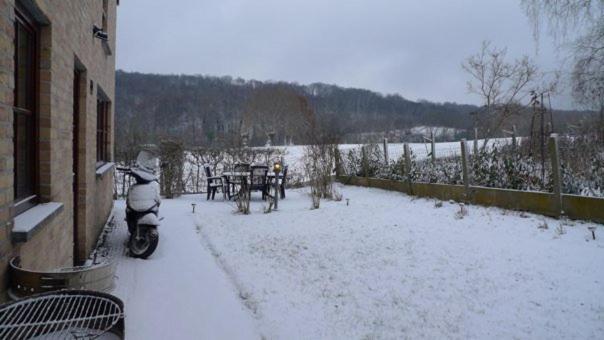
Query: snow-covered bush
point(443, 170)
point(396, 169)
point(503, 166)
point(582, 166)
point(367, 161)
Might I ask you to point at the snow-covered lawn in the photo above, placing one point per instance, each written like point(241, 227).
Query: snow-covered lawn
point(388, 266)
point(384, 265)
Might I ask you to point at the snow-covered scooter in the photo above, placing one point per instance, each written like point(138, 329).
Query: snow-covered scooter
point(142, 205)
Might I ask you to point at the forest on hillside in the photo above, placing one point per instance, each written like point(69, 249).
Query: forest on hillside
point(205, 110)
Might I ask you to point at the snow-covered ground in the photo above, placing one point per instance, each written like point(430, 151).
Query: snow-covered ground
point(377, 264)
point(179, 292)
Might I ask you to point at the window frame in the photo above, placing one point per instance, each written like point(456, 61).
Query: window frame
point(102, 131)
point(105, 15)
point(25, 202)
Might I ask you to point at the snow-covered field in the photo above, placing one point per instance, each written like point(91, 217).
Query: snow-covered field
point(377, 264)
point(293, 154)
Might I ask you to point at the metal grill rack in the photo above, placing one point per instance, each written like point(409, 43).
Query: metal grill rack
point(68, 314)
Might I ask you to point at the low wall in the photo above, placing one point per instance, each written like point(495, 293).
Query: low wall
point(584, 208)
point(441, 191)
point(575, 207)
point(538, 202)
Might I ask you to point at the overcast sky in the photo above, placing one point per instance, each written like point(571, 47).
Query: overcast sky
point(411, 47)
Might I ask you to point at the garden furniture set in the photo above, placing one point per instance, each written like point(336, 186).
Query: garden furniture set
point(245, 177)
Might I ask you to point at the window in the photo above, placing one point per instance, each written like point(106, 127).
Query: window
point(105, 12)
point(24, 112)
point(102, 131)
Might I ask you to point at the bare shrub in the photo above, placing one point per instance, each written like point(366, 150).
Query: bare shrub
point(560, 230)
point(172, 157)
point(319, 161)
point(269, 207)
point(315, 198)
point(462, 212)
point(198, 158)
point(243, 200)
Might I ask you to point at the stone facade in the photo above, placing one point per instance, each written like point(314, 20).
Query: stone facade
point(65, 44)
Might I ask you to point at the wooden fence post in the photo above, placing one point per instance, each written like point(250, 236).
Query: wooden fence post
point(514, 141)
point(408, 167)
point(432, 147)
point(464, 167)
point(475, 141)
point(386, 151)
point(554, 153)
point(364, 162)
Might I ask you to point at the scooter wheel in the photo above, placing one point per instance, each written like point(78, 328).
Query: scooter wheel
point(145, 245)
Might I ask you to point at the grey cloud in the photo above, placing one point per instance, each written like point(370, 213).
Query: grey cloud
point(414, 48)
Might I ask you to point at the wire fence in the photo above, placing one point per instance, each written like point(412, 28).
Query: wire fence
point(499, 163)
point(506, 163)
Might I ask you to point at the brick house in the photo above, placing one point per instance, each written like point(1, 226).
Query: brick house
point(57, 79)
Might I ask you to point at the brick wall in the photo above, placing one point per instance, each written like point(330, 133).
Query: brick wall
point(7, 17)
point(66, 43)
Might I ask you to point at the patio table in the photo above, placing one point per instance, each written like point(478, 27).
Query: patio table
point(239, 174)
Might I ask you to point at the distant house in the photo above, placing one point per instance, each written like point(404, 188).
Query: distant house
point(57, 77)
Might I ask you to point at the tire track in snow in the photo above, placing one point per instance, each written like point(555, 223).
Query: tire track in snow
point(246, 297)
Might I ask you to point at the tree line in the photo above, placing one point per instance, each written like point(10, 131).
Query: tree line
point(206, 110)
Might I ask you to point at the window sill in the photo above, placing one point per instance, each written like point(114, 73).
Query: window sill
point(105, 168)
point(28, 223)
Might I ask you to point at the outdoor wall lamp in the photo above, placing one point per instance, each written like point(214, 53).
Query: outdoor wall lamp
point(277, 167)
point(98, 32)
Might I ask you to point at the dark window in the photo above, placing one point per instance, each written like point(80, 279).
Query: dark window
point(102, 131)
point(24, 110)
point(105, 11)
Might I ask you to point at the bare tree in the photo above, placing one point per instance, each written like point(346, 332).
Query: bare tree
point(562, 16)
point(588, 74)
point(172, 158)
point(319, 162)
point(502, 85)
point(276, 111)
point(580, 25)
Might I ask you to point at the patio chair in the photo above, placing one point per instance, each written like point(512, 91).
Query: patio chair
point(214, 183)
point(258, 180)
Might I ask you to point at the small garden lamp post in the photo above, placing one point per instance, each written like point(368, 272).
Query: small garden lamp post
point(277, 170)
